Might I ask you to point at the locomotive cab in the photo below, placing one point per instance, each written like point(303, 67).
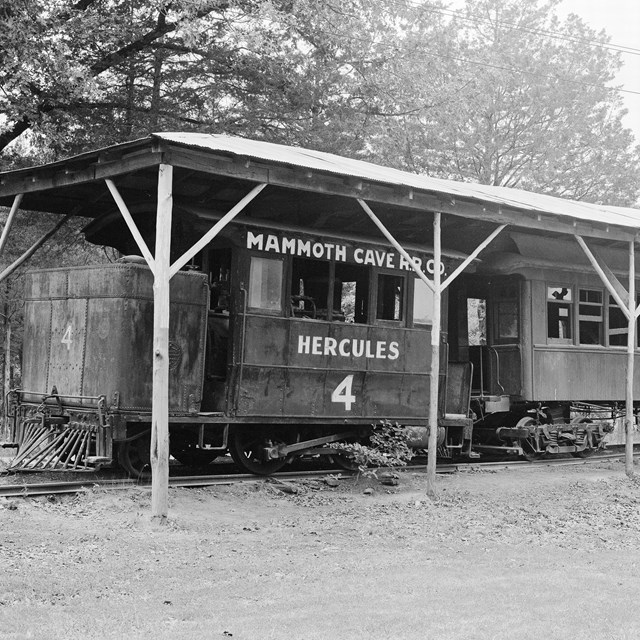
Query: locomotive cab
point(315, 341)
point(302, 341)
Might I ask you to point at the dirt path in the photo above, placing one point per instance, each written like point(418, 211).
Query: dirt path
point(511, 554)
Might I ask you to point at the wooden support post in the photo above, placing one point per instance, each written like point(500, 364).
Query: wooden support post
point(435, 360)
point(627, 302)
point(437, 286)
point(631, 349)
point(160, 402)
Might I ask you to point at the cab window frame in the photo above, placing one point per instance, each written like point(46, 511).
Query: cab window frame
point(262, 310)
point(380, 276)
point(560, 304)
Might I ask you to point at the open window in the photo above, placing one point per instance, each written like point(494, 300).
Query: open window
point(506, 314)
point(423, 297)
point(560, 314)
point(310, 281)
point(351, 293)
point(590, 316)
point(219, 267)
point(265, 284)
point(618, 325)
point(390, 301)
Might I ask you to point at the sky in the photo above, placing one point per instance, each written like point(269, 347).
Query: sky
point(621, 20)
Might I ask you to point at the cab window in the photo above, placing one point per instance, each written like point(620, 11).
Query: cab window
point(422, 303)
point(351, 293)
point(390, 299)
point(265, 284)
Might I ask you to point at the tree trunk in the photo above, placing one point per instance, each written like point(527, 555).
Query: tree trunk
point(4, 432)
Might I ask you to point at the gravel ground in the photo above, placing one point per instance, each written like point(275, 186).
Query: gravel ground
point(533, 552)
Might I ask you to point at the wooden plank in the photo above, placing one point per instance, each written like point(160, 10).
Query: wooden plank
point(137, 236)
point(46, 178)
point(32, 249)
point(396, 244)
point(473, 256)
point(160, 401)
point(128, 164)
point(215, 230)
point(8, 224)
point(608, 279)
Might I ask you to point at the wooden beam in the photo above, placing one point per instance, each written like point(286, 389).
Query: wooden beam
point(8, 224)
point(398, 246)
point(74, 173)
point(215, 230)
point(160, 402)
point(472, 257)
point(608, 279)
point(137, 236)
point(33, 248)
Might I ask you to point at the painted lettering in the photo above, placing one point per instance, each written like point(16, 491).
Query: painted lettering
point(254, 241)
point(342, 348)
point(339, 252)
point(304, 343)
point(370, 352)
point(304, 248)
point(272, 244)
point(330, 346)
point(348, 347)
point(288, 246)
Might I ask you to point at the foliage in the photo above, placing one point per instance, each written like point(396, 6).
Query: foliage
point(534, 109)
point(388, 446)
point(502, 93)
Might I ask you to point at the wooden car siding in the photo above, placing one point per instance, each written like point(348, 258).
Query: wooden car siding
point(279, 381)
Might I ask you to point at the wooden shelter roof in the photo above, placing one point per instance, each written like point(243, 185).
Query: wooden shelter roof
point(308, 188)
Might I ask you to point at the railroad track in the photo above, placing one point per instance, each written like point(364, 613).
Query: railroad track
point(32, 489)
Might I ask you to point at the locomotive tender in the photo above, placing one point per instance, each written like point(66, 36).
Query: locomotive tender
point(298, 325)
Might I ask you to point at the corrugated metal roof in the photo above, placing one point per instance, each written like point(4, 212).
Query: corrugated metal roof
point(331, 163)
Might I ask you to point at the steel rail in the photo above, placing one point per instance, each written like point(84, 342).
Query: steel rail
point(27, 490)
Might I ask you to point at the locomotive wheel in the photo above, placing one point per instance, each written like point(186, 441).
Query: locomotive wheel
point(587, 453)
point(246, 444)
point(528, 450)
point(134, 456)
